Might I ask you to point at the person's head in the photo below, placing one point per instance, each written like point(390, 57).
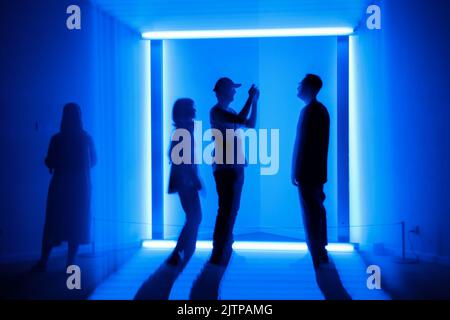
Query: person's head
point(183, 112)
point(309, 87)
point(71, 118)
point(225, 90)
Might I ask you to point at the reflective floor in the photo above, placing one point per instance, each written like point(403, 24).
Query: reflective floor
point(265, 275)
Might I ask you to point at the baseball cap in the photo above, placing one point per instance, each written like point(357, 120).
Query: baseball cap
point(225, 83)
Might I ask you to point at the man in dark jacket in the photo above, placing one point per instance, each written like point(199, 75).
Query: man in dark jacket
point(309, 166)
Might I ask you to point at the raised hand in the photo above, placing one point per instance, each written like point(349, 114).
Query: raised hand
point(252, 91)
point(256, 97)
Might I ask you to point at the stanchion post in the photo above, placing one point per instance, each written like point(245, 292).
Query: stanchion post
point(93, 236)
point(403, 241)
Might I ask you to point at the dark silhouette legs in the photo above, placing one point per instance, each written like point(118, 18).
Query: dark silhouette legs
point(188, 237)
point(314, 220)
point(73, 249)
point(46, 250)
point(229, 184)
point(41, 265)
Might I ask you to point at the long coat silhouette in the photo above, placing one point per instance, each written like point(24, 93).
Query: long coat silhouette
point(70, 156)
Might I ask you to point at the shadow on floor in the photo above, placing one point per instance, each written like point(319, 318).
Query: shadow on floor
point(17, 282)
point(330, 284)
point(159, 285)
point(207, 284)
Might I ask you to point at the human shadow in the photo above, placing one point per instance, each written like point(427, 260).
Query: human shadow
point(207, 284)
point(330, 283)
point(159, 285)
point(70, 158)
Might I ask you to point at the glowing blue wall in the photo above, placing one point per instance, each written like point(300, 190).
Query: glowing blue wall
point(122, 192)
point(43, 66)
point(399, 132)
point(191, 67)
point(282, 64)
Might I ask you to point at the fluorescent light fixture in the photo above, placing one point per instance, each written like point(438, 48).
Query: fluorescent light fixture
point(252, 245)
point(147, 139)
point(247, 33)
point(159, 244)
point(354, 144)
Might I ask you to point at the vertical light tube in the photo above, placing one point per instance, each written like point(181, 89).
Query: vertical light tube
point(166, 128)
point(354, 154)
point(157, 145)
point(343, 138)
point(147, 138)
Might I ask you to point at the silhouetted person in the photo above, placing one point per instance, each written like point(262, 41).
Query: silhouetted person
point(184, 180)
point(70, 157)
point(229, 175)
point(309, 172)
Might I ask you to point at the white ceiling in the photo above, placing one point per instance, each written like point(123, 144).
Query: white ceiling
point(161, 15)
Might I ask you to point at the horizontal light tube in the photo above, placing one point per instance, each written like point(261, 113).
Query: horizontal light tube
point(247, 33)
point(252, 245)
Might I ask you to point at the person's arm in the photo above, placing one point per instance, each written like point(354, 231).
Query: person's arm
point(246, 109)
point(295, 156)
point(302, 143)
point(251, 122)
point(222, 115)
point(50, 159)
point(92, 153)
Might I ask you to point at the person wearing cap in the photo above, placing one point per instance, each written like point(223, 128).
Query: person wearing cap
point(309, 166)
point(228, 166)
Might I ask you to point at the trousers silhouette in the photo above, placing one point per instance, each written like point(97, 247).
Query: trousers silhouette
point(190, 203)
point(229, 183)
point(314, 218)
